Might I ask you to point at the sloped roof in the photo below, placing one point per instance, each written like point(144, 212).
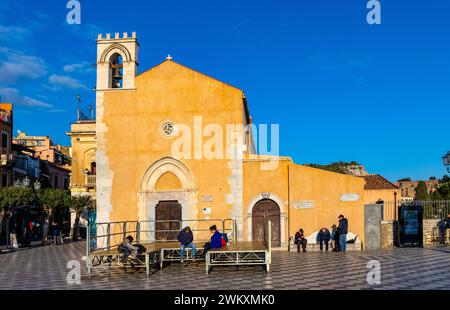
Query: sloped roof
point(376, 181)
point(188, 68)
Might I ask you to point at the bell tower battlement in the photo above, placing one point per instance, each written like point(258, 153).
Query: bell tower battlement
point(117, 61)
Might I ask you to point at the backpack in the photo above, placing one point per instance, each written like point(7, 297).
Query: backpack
point(141, 249)
point(224, 240)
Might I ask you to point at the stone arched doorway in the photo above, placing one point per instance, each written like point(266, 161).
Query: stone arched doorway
point(265, 210)
point(167, 194)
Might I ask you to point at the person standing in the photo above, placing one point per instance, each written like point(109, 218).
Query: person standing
point(56, 232)
point(335, 238)
point(300, 240)
point(343, 230)
point(323, 236)
point(186, 238)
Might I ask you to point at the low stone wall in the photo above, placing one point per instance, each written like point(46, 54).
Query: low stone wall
point(428, 226)
point(389, 232)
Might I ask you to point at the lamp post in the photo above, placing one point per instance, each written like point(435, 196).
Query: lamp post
point(395, 206)
point(446, 161)
point(37, 185)
point(26, 182)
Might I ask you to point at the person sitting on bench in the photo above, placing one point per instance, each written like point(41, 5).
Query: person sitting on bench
point(186, 239)
point(127, 249)
point(323, 236)
point(216, 240)
point(300, 240)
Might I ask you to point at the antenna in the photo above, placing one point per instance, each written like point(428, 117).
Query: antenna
point(78, 102)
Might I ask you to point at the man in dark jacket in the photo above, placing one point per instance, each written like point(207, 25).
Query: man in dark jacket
point(335, 238)
point(343, 229)
point(323, 236)
point(186, 238)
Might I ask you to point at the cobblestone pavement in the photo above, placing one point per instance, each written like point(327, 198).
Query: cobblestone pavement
point(405, 268)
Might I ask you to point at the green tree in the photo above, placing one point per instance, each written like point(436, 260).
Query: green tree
point(50, 199)
point(445, 179)
point(444, 191)
point(436, 195)
point(422, 191)
point(78, 205)
point(11, 198)
point(404, 180)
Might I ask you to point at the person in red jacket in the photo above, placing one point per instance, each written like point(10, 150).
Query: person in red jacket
point(300, 240)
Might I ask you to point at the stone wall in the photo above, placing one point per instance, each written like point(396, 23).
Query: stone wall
point(428, 230)
point(389, 232)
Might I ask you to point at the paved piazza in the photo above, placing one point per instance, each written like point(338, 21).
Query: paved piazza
point(407, 268)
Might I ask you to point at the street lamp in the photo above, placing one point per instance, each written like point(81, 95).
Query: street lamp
point(37, 185)
point(446, 161)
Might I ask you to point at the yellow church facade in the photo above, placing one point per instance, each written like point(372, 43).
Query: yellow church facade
point(175, 144)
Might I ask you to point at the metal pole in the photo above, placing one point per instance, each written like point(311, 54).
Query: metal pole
point(138, 232)
point(108, 234)
point(88, 243)
point(7, 220)
point(395, 206)
point(289, 208)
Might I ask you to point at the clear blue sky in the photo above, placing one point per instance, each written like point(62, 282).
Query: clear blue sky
point(339, 88)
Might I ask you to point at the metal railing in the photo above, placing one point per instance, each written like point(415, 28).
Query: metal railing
point(432, 209)
point(105, 236)
point(90, 180)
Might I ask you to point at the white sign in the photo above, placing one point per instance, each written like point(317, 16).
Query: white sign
point(349, 197)
point(207, 198)
point(305, 204)
point(206, 210)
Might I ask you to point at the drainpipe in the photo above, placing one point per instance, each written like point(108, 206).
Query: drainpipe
point(289, 209)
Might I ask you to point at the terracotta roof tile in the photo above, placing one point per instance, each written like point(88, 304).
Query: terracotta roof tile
point(376, 181)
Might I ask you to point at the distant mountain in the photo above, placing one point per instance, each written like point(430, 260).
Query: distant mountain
point(350, 168)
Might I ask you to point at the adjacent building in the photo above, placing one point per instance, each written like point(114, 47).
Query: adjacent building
point(54, 160)
point(6, 157)
point(83, 153)
point(408, 188)
point(378, 189)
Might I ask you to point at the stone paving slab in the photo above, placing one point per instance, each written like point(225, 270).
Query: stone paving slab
point(401, 268)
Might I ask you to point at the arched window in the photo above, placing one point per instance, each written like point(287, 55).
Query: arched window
point(116, 68)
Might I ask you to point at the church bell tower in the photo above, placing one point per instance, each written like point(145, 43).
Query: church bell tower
point(117, 61)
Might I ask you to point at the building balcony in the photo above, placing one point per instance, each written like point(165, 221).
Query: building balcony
point(6, 159)
point(90, 181)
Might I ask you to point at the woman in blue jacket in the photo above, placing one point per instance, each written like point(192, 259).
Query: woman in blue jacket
point(216, 240)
